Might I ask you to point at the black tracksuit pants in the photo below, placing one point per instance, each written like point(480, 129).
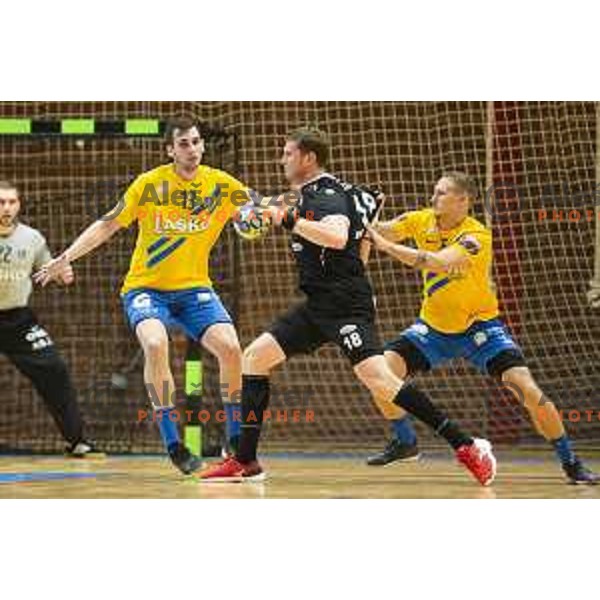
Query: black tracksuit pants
point(29, 347)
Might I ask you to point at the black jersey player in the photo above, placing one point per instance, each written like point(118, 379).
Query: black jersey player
point(328, 228)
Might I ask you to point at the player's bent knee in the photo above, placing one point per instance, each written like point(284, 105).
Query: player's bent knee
point(155, 346)
point(222, 341)
point(156, 350)
point(519, 377)
point(375, 374)
point(262, 355)
point(230, 352)
point(153, 337)
point(397, 364)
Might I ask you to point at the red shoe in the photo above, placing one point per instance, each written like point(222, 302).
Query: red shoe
point(233, 471)
point(478, 458)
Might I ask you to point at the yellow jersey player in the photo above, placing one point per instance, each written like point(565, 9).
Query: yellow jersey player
point(181, 209)
point(459, 317)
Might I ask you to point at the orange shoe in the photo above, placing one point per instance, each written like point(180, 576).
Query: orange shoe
point(232, 471)
point(478, 458)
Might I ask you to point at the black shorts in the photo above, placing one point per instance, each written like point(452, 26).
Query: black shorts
point(302, 330)
point(21, 333)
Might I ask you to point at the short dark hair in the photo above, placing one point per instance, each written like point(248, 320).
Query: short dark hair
point(311, 139)
point(7, 185)
point(179, 123)
point(463, 182)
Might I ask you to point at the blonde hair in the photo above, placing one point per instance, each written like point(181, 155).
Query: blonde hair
point(463, 182)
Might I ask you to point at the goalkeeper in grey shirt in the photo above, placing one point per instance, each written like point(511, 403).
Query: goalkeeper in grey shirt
point(22, 339)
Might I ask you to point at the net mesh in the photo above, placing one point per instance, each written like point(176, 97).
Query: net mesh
point(542, 266)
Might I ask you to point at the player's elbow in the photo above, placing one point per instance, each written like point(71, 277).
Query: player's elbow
point(107, 228)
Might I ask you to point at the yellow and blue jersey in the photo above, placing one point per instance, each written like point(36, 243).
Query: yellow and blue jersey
point(453, 304)
point(179, 222)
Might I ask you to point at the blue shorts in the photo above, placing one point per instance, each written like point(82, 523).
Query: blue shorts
point(193, 311)
point(483, 342)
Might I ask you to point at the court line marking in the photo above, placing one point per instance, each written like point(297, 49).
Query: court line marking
point(35, 476)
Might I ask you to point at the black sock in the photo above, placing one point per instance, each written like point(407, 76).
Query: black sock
point(255, 399)
point(413, 400)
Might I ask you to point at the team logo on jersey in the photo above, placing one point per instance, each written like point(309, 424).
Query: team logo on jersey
point(142, 301)
point(181, 225)
point(348, 329)
point(480, 338)
point(470, 244)
point(297, 247)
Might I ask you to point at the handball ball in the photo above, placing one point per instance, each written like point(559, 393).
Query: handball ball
point(251, 223)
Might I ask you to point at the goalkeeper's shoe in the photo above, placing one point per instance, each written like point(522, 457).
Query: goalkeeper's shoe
point(83, 449)
point(232, 471)
point(577, 474)
point(184, 460)
point(395, 451)
point(479, 459)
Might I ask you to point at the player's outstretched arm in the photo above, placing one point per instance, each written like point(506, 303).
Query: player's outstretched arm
point(43, 257)
point(93, 237)
point(389, 229)
point(450, 260)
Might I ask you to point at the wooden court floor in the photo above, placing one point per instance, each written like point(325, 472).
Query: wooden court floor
point(290, 476)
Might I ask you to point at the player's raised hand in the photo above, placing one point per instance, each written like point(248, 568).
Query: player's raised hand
point(55, 270)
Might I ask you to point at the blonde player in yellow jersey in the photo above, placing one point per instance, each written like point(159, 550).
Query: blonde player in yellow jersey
point(459, 316)
point(181, 209)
